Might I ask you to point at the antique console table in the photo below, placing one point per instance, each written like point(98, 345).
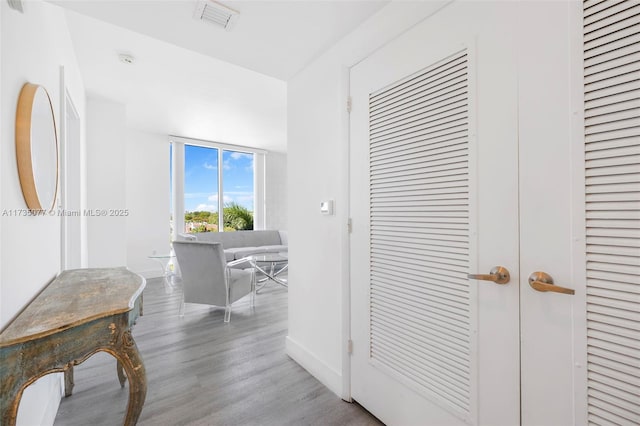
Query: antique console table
point(81, 312)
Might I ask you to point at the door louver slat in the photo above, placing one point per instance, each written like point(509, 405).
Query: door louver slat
point(448, 139)
point(612, 21)
point(612, 152)
point(611, 9)
point(441, 316)
point(622, 104)
point(603, 417)
point(612, 57)
point(595, 6)
point(441, 72)
point(623, 359)
point(415, 352)
point(620, 37)
point(624, 397)
point(617, 384)
point(617, 44)
point(419, 231)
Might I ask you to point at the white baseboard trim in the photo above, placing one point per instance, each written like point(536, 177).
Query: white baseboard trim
point(315, 366)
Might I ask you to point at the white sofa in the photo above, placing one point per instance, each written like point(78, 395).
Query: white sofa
point(241, 244)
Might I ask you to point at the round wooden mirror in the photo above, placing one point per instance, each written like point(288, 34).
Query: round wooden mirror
point(37, 148)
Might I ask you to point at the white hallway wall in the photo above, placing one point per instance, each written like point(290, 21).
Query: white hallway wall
point(317, 170)
point(276, 191)
point(33, 47)
point(106, 186)
point(147, 200)
point(128, 177)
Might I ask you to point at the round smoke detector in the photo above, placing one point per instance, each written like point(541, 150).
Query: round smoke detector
point(126, 58)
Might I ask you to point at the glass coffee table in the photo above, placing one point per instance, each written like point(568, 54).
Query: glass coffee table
point(271, 265)
point(169, 267)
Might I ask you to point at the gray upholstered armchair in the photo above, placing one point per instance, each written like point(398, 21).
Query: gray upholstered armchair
point(207, 278)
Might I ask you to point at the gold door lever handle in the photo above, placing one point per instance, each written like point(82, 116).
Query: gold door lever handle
point(499, 275)
point(541, 281)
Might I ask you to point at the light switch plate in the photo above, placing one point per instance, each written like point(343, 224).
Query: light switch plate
point(326, 207)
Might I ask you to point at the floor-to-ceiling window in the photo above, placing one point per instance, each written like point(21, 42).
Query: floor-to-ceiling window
point(201, 184)
point(215, 187)
point(237, 190)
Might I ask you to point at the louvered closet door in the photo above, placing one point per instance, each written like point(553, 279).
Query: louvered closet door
point(433, 198)
point(612, 149)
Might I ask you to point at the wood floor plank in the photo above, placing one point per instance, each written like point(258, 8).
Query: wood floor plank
point(201, 371)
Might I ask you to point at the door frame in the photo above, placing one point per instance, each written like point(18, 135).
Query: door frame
point(578, 205)
point(345, 234)
point(69, 111)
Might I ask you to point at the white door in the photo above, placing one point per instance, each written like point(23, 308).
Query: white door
point(460, 162)
point(548, 320)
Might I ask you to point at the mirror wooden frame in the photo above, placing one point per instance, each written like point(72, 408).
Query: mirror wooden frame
point(25, 145)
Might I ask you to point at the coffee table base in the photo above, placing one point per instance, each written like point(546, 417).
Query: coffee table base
point(270, 274)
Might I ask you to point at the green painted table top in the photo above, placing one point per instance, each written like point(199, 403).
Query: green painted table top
point(73, 298)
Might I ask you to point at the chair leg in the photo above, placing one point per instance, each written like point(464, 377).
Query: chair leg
point(181, 309)
point(253, 288)
point(227, 313)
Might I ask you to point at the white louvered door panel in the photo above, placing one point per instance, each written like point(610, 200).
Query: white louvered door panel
point(612, 154)
point(419, 230)
point(424, 335)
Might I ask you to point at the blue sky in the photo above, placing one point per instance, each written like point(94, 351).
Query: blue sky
point(201, 178)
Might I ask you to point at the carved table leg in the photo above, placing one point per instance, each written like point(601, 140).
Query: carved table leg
point(68, 380)
point(9, 404)
point(129, 357)
point(121, 376)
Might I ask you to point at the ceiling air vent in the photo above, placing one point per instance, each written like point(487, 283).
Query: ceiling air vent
point(216, 13)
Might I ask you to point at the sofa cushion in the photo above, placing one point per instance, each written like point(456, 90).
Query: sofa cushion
point(237, 252)
point(275, 248)
point(241, 238)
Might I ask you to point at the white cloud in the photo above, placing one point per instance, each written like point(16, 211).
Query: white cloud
point(210, 166)
point(213, 197)
point(238, 155)
point(206, 207)
point(235, 155)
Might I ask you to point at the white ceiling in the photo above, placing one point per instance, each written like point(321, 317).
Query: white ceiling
point(197, 80)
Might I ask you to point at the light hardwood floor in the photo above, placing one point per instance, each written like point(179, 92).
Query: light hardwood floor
point(201, 371)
